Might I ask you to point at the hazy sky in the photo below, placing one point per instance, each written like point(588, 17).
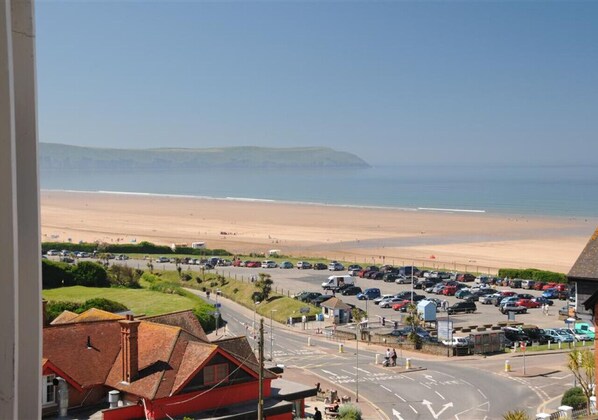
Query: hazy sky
point(390, 81)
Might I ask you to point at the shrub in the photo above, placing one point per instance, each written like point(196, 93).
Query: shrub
point(90, 274)
point(516, 415)
point(574, 397)
point(56, 274)
point(532, 274)
point(123, 276)
point(55, 308)
point(349, 412)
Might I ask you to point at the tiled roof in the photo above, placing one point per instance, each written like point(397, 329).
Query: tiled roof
point(65, 345)
point(241, 350)
point(185, 319)
point(335, 303)
point(168, 355)
point(64, 317)
point(586, 266)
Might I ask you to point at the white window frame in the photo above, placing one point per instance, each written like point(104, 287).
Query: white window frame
point(48, 382)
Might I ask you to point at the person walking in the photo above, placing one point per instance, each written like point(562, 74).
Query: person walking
point(317, 414)
point(393, 356)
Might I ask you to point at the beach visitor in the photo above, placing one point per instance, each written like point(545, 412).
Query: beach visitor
point(317, 414)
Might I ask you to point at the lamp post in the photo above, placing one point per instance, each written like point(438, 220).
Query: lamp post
point(358, 336)
point(271, 336)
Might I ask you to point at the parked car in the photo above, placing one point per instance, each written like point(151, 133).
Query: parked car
point(369, 294)
point(351, 291)
point(405, 331)
point(449, 290)
point(401, 306)
point(551, 293)
point(354, 269)
point(528, 303)
point(162, 260)
point(463, 294)
point(400, 279)
point(535, 334)
point(556, 336)
point(543, 301)
point(320, 299)
point(303, 265)
point(308, 297)
point(512, 307)
point(388, 303)
point(335, 266)
point(320, 266)
point(514, 335)
point(527, 284)
point(390, 277)
point(577, 335)
point(465, 277)
point(467, 307)
point(286, 265)
point(489, 299)
point(268, 264)
point(383, 297)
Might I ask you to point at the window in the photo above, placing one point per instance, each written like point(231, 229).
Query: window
point(215, 373)
point(48, 390)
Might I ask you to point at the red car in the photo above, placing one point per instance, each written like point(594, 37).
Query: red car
point(400, 305)
point(253, 264)
point(507, 293)
point(528, 303)
point(550, 285)
point(539, 285)
point(449, 290)
point(561, 287)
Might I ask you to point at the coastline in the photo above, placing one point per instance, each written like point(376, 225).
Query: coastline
point(434, 237)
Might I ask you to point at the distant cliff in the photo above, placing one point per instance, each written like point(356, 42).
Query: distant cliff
point(55, 156)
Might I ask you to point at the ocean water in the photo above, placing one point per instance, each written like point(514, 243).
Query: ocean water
point(526, 190)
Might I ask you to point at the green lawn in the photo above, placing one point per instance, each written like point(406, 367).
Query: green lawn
point(140, 301)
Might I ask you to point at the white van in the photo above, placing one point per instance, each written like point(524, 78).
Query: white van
point(335, 282)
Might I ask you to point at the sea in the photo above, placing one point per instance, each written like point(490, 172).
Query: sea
point(570, 191)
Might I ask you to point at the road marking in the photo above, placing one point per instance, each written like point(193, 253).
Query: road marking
point(363, 370)
point(425, 385)
point(407, 377)
point(430, 378)
point(400, 398)
point(468, 383)
point(414, 410)
point(481, 393)
point(440, 395)
point(383, 387)
point(396, 414)
point(435, 414)
point(330, 373)
point(350, 373)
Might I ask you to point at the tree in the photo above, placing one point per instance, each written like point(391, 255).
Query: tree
point(414, 322)
point(574, 397)
point(90, 274)
point(264, 286)
point(582, 365)
point(516, 415)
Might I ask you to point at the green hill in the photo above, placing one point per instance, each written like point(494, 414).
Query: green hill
point(55, 156)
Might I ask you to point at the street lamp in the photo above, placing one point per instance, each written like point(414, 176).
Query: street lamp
point(358, 336)
point(271, 336)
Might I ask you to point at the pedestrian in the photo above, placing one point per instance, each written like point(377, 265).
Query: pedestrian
point(383, 321)
point(317, 414)
point(547, 309)
point(393, 356)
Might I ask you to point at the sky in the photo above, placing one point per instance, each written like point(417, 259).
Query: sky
point(391, 81)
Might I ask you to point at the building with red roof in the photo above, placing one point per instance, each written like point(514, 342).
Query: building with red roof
point(157, 367)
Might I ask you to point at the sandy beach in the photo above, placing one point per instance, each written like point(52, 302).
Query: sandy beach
point(473, 241)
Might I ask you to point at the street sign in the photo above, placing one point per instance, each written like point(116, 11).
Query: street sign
point(304, 310)
point(217, 305)
point(216, 314)
point(444, 330)
point(523, 345)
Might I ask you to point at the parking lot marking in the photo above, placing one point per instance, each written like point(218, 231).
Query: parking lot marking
point(400, 398)
point(414, 410)
point(440, 395)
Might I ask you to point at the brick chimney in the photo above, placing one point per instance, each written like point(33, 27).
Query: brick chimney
point(129, 348)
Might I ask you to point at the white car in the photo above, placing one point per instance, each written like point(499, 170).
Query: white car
point(335, 266)
point(53, 253)
point(383, 297)
point(387, 303)
point(268, 264)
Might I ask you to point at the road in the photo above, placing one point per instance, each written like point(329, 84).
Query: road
point(440, 390)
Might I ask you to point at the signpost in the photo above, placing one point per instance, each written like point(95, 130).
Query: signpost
point(217, 315)
point(523, 346)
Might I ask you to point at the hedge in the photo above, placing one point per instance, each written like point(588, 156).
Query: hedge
point(532, 274)
point(55, 308)
point(57, 274)
point(574, 397)
point(140, 248)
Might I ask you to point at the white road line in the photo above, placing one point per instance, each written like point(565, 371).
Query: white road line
point(346, 371)
point(480, 391)
point(400, 398)
point(363, 370)
point(383, 387)
point(439, 394)
point(414, 410)
point(465, 382)
point(330, 373)
point(407, 377)
point(425, 385)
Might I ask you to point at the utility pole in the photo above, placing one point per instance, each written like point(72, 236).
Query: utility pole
point(260, 395)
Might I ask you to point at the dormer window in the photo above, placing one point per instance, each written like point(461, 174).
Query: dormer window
point(215, 373)
point(48, 390)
